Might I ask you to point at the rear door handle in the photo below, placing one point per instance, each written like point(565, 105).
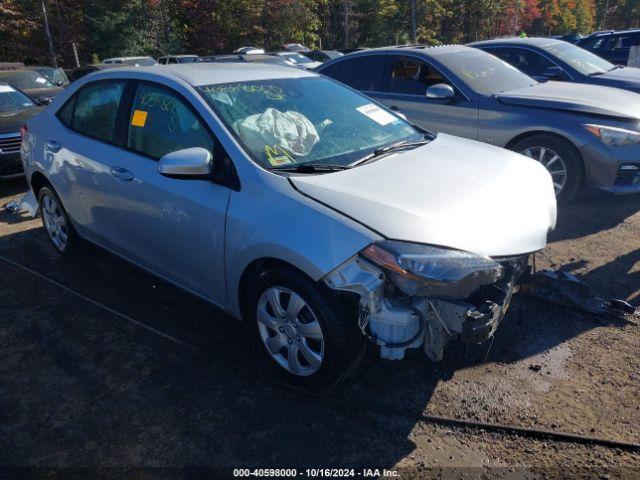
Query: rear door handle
point(52, 146)
point(122, 174)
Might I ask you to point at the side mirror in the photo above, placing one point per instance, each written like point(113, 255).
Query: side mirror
point(441, 91)
point(188, 163)
point(554, 73)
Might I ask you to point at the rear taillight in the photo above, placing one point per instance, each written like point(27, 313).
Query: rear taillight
point(23, 130)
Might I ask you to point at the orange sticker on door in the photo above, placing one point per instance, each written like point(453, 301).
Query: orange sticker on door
point(139, 118)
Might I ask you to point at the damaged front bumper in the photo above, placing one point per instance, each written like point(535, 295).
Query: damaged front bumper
point(396, 321)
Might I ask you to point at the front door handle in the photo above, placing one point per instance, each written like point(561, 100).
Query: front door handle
point(52, 146)
point(122, 174)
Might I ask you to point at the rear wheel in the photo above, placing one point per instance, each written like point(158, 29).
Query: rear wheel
point(55, 220)
point(559, 158)
point(303, 329)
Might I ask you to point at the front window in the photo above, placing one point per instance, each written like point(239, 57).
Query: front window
point(484, 73)
point(11, 99)
point(583, 61)
point(412, 77)
point(308, 121)
point(25, 79)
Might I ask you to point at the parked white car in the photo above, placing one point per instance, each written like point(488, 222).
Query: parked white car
point(292, 202)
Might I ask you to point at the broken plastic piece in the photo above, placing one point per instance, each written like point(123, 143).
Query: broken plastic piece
point(12, 207)
point(568, 290)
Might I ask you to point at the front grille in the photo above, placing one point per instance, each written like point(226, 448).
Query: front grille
point(10, 143)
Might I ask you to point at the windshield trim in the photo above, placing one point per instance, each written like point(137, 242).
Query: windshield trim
point(246, 151)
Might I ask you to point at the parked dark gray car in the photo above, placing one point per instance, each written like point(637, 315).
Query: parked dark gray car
point(612, 45)
point(586, 135)
point(15, 109)
point(548, 59)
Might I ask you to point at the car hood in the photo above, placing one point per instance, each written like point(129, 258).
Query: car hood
point(452, 192)
point(12, 120)
point(578, 97)
point(627, 78)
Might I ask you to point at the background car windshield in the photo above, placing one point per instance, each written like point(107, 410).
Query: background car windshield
point(296, 58)
point(25, 79)
point(583, 61)
point(305, 121)
point(140, 62)
point(11, 99)
point(484, 73)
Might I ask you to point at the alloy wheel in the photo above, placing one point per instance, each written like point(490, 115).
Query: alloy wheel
point(55, 222)
point(290, 331)
point(553, 162)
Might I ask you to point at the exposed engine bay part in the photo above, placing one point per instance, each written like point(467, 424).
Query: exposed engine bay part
point(396, 322)
point(566, 289)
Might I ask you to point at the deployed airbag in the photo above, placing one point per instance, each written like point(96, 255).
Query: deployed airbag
point(289, 130)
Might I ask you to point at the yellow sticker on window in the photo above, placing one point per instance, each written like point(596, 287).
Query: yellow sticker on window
point(277, 155)
point(139, 118)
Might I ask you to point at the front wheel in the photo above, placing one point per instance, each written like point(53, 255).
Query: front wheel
point(561, 161)
point(306, 332)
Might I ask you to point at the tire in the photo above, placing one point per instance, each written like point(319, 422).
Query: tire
point(557, 155)
point(56, 221)
point(323, 334)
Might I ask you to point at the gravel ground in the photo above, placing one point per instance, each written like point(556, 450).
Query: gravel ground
point(81, 387)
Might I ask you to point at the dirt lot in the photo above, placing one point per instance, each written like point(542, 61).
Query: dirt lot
point(82, 387)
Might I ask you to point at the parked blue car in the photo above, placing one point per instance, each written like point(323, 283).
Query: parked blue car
point(550, 59)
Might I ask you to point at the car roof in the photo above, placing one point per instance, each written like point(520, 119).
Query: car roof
point(602, 33)
point(430, 50)
point(197, 74)
point(530, 41)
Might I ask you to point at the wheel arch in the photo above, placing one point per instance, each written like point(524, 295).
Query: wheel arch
point(264, 264)
point(532, 133)
point(37, 181)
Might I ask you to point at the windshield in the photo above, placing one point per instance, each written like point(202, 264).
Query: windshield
point(140, 62)
point(25, 79)
point(11, 99)
point(54, 75)
point(296, 58)
point(484, 73)
point(305, 121)
point(583, 61)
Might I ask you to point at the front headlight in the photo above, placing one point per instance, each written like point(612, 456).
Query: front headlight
point(614, 136)
point(432, 271)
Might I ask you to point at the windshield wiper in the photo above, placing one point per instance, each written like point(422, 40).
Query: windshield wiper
point(309, 168)
point(388, 149)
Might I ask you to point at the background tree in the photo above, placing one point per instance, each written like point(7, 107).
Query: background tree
point(103, 28)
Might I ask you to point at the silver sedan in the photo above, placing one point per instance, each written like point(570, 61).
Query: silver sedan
point(299, 206)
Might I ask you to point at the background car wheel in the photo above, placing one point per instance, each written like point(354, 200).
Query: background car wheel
point(55, 220)
point(305, 330)
point(559, 158)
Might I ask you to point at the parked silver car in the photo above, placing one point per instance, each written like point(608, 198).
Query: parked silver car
point(292, 202)
point(586, 135)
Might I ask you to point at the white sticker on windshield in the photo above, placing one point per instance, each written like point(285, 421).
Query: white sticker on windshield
point(6, 89)
point(41, 80)
point(377, 114)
